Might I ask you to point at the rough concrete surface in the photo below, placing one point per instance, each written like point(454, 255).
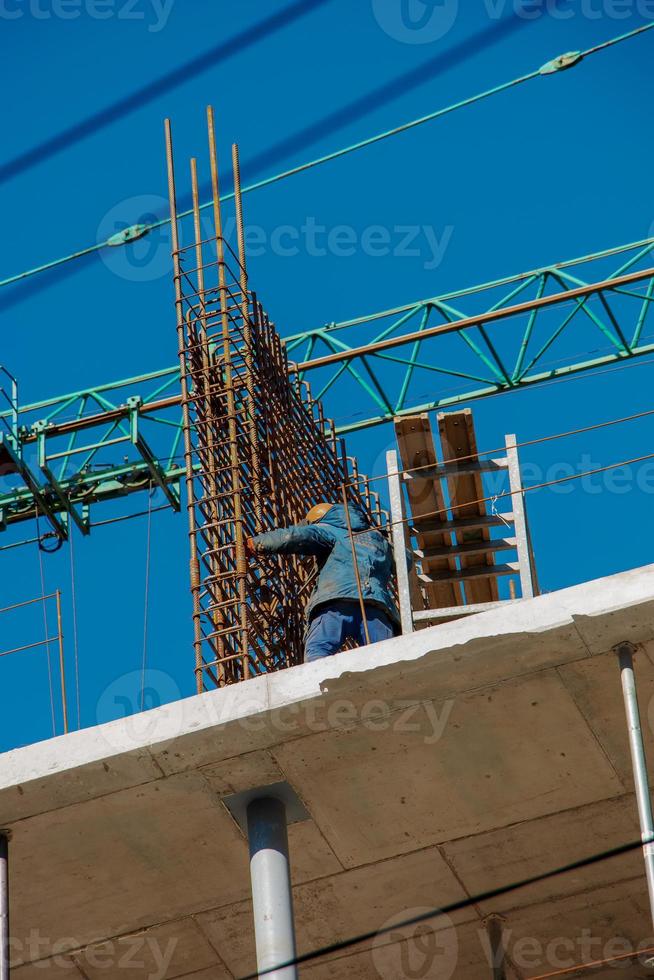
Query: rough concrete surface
point(434, 767)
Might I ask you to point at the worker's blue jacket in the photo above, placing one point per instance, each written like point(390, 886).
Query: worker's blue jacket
point(329, 541)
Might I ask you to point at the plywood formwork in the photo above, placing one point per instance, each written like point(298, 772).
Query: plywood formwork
point(426, 499)
point(459, 442)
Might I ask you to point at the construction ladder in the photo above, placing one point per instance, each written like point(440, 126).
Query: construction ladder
point(453, 570)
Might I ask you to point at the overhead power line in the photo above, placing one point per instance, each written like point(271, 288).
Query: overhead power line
point(561, 63)
point(181, 75)
point(493, 498)
point(519, 445)
point(463, 903)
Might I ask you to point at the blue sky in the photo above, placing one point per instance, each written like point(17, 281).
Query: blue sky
point(556, 168)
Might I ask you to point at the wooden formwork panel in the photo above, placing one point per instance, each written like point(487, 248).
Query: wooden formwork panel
point(459, 442)
point(416, 446)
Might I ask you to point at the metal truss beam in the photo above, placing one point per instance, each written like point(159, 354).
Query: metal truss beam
point(60, 456)
point(498, 337)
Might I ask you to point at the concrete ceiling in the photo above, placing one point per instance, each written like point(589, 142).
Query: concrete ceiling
point(433, 767)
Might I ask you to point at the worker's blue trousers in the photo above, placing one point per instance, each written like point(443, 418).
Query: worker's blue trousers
point(331, 625)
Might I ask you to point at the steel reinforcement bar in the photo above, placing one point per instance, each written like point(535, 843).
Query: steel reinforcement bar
point(258, 451)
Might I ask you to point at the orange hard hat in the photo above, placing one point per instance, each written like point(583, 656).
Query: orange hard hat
point(318, 512)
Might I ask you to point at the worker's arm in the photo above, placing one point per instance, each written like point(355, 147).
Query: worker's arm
point(298, 540)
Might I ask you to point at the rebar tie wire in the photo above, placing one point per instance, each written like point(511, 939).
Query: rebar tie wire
point(337, 154)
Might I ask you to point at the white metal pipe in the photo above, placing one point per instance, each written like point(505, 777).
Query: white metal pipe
point(625, 652)
point(399, 542)
point(4, 907)
point(272, 898)
point(519, 518)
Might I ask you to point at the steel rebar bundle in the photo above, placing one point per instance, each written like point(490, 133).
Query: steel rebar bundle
point(258, 449)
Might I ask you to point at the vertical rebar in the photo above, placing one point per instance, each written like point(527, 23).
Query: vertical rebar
point(194, 564)
point(257, 449)
point(247, 334)
point(228, 377)
point(62, 669)
point(207, 381)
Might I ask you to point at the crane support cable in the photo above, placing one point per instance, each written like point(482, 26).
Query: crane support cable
point(138, 231)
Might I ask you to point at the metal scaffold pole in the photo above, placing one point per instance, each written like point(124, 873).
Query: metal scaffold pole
point(625, 652)
point(4, 906)
point(272, 898)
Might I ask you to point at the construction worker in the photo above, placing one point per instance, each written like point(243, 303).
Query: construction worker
point(334, 612)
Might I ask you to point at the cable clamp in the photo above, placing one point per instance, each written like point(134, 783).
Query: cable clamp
point(564, 61)
point(128, 235)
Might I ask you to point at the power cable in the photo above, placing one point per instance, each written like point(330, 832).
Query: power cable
point(509, 493)
point(223, 51)
point(463, 903)
point(519, 445)
point(130, 517)
point(344, 151)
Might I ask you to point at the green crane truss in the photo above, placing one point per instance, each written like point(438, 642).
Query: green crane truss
point(61, 456)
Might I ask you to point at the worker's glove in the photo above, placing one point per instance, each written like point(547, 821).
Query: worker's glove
point(250, 549)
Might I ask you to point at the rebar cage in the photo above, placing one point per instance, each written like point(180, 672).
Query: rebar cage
point(258, 450)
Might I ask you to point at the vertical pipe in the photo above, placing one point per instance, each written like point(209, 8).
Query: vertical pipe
point(356, 566)
point(399, 542)
point(62, 672)
point(194, 563)
point(625, 652)
point(4, 906)
point(272, 897)
point(520, 520)
point(496, 946)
